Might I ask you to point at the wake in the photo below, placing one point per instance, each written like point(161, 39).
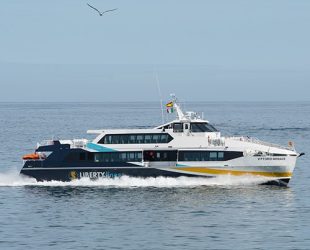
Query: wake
point(14, 179)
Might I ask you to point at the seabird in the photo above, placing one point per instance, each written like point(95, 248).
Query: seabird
point(100, 13)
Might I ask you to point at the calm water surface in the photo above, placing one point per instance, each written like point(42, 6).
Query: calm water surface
point(132, 213)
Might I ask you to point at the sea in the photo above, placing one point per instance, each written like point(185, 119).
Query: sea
point(153, 213)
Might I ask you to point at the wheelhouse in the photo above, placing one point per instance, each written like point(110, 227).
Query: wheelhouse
point(193, 127)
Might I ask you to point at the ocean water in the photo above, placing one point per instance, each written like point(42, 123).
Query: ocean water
point(153, 213)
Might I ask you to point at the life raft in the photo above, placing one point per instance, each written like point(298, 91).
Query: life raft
point(33, 156)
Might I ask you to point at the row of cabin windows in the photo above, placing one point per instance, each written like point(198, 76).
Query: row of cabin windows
point(201, 156)
point(118, 157)
point(136, 139)
point(107, 157)
point(160, 155)
point(208, 155)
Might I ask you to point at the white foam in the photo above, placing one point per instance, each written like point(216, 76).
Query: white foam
point(13, 178)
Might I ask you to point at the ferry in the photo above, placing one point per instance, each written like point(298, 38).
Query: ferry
point(187, 146)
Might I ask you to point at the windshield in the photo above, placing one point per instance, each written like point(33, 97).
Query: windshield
point(202, 127)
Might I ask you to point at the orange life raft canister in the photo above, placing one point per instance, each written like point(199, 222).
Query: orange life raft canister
point(33, 156)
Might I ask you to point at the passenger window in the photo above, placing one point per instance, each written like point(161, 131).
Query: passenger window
point(123, 139)
point(204, 156)
point(131, 156)
point(155, 138)
point(115, 139)
point(194, 156)
point(132, 139)
point(98, 157)
point(178, 127)
point(158, 156)
point(123, 157)
point(164, 156)
point(164, 138)
point(147, 138)
point(140, 139)
point(139, 156)
point(106, 158)
point(213, 156)
point(108, 139)
point(220, 156)
point(114, 157)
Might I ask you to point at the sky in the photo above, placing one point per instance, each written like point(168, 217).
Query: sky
point(201, 50)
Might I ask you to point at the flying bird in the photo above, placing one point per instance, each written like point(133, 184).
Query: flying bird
point(100, 13)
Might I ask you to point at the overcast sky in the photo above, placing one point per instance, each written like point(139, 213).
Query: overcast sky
point(202, 50)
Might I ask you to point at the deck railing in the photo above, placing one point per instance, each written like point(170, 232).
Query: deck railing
point(79, 143)
point(75, 143)
point(257, 141)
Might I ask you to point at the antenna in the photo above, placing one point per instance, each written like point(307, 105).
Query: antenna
point(160, 97)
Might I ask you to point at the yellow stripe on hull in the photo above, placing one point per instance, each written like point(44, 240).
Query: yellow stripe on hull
point(215, 171)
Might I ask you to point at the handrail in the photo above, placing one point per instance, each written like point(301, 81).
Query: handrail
point(79, 143)
point(257, 141)
point(75, 143)
point(46, 143)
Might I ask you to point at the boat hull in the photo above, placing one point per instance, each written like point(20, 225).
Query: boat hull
point(70, 174)
point(59, 174)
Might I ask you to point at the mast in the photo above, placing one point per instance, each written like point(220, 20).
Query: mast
point(160, 97)
point(177, 107)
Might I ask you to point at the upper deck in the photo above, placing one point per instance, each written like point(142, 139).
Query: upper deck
point(185, 124)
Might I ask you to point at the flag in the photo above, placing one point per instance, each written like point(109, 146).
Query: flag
point(170, 110)
point(169, 105)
